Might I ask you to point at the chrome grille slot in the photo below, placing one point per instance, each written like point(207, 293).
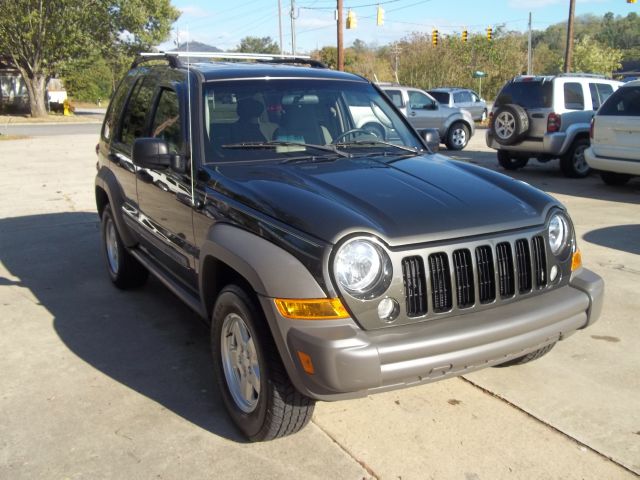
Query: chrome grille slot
point(440, 282)
point(539, 262)
point(505, 269)
point(523, 261)
point(486, 274)
point(415, 286)
point(463, 269)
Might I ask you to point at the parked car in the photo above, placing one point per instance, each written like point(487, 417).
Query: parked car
point(454, 125)
point(615, 136)
point(547, 117)
point(330, 263)
point(461, 98)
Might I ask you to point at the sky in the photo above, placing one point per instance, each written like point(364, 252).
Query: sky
point(224, 24)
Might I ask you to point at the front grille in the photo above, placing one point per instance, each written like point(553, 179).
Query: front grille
point(539, 262)
point(505, 270)
point(523, 260)
point(486, 274)
point(440, 282)
point(463, 268)
point(468, 277)
point(414, 286)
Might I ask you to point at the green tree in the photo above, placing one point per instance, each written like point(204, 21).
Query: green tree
point(88, 79)
point(593, 57)
point(258, 45)
point(40, 35)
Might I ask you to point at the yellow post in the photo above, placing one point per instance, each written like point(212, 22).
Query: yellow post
point(65, 105)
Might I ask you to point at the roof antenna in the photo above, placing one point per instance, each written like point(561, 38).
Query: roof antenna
point(193, 193)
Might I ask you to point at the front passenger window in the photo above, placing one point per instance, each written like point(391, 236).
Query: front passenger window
point(419, 101)
point(166, 122)
point(135, 115)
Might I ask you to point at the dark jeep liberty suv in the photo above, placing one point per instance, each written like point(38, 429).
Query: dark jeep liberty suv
point(332, 261)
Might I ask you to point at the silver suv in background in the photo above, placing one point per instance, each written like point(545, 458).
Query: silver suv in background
point(461, 98)
point(454, 125)
point(547, 117)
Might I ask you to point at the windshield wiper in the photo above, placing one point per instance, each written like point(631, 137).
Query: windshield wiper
point(283, 143)
point(378, 142)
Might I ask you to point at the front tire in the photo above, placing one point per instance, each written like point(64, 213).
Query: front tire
point(573, 163)
point(256, 390)
point(124, 270)
point(530, 357)
point(457, 136)
point(614, 179)
point(508, 162)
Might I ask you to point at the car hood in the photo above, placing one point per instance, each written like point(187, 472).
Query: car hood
point(406, 201)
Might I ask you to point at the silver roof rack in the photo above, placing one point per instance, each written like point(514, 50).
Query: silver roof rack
point(174, 58)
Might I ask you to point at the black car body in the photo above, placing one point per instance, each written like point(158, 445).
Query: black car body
point(332, 261)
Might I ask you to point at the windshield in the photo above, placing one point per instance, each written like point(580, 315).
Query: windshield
point(283, 119)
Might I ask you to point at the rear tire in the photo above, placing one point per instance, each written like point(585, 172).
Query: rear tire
point(124, 270)
point(573, 163)
point(528, 357)
point(614, 179)
point(508, 162)
point(256, 390)
point(457, 136)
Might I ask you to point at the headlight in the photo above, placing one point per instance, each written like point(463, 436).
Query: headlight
point(362, 268)
point(559, 233)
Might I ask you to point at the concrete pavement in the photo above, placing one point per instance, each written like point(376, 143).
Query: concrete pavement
point(98, 383)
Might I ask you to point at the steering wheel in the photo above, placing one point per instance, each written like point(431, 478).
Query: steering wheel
point(352, 131)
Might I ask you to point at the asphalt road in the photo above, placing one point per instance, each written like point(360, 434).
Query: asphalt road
point(99, 383)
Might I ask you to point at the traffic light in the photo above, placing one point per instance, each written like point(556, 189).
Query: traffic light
point(352, 21)
point(465, 35)
point(434, 37)
point(631, 1)
point(380, 16)
point(489, 33)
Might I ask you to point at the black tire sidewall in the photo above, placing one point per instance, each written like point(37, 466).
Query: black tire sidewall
point(107, 217)
point(233, 299)
point(509, 162)
point(452, 128)
point(567, 163)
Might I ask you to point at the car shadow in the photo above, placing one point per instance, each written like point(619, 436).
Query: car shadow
point(620, 237)
point(145, 339)
point(548, 177)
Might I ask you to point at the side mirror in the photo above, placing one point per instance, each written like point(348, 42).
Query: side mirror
point(431, 138)
point(433, 106)
point(151, 153)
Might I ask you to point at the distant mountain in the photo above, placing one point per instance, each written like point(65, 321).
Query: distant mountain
point(195, 47)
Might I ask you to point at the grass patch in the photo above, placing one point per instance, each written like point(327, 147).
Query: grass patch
point(12, 137)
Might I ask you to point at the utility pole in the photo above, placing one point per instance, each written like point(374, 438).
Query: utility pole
point(293, 27)
point(530, 53)
point(396, 55)
point(280, 25)
point(340, 45)
point(568, 54)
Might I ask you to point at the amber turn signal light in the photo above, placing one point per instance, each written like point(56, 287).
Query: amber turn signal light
point(305, 361)
point(576, 260)
point(311, 308)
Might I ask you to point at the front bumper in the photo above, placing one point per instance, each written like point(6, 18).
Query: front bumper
point(351, 362)
point(551, 144)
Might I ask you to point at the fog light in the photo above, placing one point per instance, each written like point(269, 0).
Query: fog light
point(553, 273)
point(388, 309)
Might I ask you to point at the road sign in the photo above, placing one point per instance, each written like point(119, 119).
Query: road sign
point(478, 74)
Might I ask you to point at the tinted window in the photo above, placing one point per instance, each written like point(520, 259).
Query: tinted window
point(599, 93)
point(115, 106)
point(166, 123)
point(624, 102)
point(573, 96)
point(135, 115)
point(526, 94)
point(419, 101)
point(442, 97)
point(396, 97)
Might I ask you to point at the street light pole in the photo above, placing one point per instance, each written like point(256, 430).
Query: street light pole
point(568, 54)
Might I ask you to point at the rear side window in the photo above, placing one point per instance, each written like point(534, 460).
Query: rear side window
point(624, 102)
point(528, 94)
point(135, 114)
point(115, 106)
point(396, 97)
point(573, 96)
